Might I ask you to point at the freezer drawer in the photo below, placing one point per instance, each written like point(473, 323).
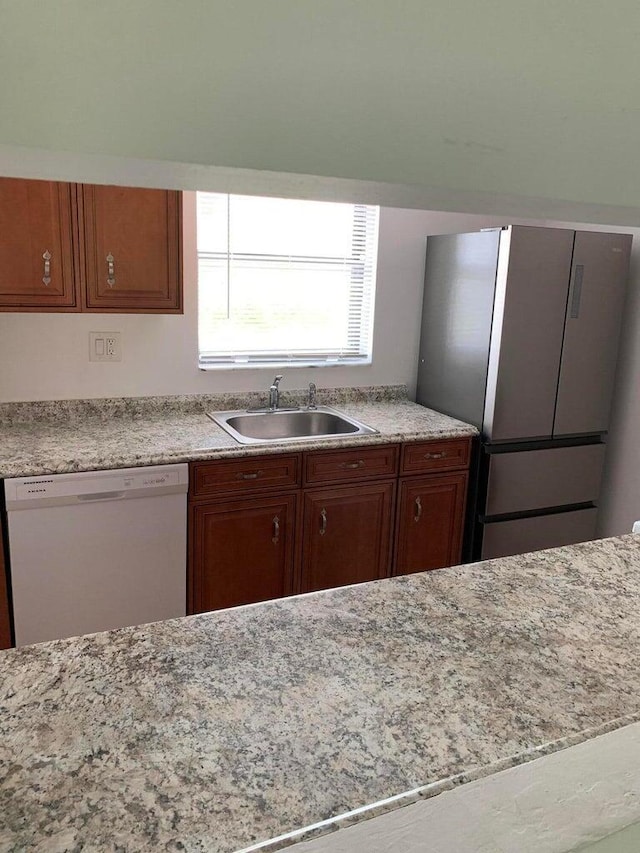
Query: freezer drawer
point(535, 479)
point(504, 538)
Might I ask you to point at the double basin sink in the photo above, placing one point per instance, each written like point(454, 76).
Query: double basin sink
point(249, 427)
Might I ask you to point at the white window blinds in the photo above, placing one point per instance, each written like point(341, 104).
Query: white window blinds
point(285, 281)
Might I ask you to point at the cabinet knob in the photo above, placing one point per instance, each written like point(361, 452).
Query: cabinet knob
point(323, 521)
point(276, 530)
point(441, 454)
point(111, 270)
point(46, 278)
point(418, 513)
point(353, 465)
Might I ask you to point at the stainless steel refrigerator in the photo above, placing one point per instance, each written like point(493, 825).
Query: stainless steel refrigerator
point(520, 330)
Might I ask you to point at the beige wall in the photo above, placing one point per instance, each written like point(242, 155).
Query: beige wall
point(621, 492)
point(46, 356)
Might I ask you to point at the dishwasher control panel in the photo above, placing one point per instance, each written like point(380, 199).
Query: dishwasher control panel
point(23, 492)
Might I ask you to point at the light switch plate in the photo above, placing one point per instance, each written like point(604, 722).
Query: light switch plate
point(105, 346)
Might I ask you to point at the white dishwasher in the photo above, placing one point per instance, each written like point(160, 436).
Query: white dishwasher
point(96, 550)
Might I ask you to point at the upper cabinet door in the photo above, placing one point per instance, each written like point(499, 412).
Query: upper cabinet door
point(526, 337)
point(592, 330)
point(132, 249)
point(36, 254)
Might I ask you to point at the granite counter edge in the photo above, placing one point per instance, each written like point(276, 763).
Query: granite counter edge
point(433, 789)
point(167, 457)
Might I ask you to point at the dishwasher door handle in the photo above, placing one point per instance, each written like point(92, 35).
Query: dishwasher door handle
point(101, 496)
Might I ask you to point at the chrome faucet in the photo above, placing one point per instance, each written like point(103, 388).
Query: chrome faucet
point(274, 394)
point(311, 404)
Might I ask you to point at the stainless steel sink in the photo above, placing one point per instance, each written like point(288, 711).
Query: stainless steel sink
point(288, 425)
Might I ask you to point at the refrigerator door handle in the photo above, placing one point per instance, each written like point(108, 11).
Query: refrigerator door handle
point(576, 294)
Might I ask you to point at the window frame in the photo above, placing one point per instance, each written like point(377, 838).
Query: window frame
point(360, 306)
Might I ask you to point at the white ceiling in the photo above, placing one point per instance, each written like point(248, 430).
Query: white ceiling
point(531, 99)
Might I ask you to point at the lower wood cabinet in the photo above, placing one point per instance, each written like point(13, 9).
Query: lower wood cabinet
point(346, 535)
point(429, 522)
point(241, 551)
point(267, 526)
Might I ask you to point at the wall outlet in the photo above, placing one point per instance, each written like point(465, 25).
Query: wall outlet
point(636, 527)
point(105, 346)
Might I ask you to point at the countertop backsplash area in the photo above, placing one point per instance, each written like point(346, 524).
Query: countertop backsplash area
point(143, 407)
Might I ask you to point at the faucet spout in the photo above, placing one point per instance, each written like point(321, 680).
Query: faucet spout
point(311, 402)
point(274, 394)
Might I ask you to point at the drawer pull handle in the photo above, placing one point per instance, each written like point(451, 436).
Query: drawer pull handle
point(353, 465)
point(46, 278)
point(111, 270)
point(323, 522)
point(440, 454)
point(418, 513)
point(276, 530)
point(252, 475)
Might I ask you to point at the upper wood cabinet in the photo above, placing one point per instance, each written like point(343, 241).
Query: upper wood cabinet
point(131, 240)
point(78, 247)
point(36, 246)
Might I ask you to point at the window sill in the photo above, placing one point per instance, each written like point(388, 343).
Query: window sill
point(288, 365)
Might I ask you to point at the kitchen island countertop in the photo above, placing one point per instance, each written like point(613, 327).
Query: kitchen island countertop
point(60, 438)
point(221, 731)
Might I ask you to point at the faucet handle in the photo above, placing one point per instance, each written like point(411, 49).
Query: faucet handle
point(277, 380)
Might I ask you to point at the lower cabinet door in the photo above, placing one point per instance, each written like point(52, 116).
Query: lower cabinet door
point(241, 551)
point(430, 522)
point(346, 535)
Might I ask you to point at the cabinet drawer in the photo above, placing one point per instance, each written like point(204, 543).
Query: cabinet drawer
point(435, 456)
point(252, 474)
point(344, 466)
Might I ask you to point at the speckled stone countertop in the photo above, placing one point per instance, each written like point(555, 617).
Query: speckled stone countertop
point(244, 728)
point(57, 438)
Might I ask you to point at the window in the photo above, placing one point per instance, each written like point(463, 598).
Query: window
point(284, 281)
